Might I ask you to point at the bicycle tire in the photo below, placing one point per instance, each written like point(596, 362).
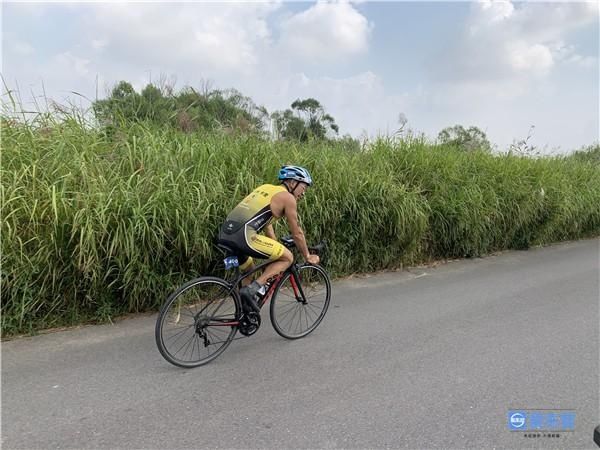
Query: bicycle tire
point(291, 310)
point(202, 333)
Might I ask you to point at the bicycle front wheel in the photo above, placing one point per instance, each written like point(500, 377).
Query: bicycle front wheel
point(300, 301)
point(197, 322)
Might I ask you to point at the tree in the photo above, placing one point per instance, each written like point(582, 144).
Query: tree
point(187, 110)
point(122, 105)
point(318, 123)
point(287, 126)
point(154, 106)
point(469, 140)
point(307, 119)
point(123, 90)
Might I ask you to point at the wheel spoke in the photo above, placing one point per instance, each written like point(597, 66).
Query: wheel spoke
point(198, 346)
point(198, 303)
point(180, 334)
point(287, 313)
point(298, 320)
point(292, 318)
point(215, 337)
point(185, 344)
point(182, 328)
point(310, 311)
point(193, 346)
point(293, 297)
point(185, 312)
point(288, 307)
point(313, 308)
point(306, 317)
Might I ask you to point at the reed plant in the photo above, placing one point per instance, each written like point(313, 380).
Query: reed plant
point(97, 225)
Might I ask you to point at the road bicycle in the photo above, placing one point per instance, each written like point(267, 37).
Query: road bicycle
point(201, 318)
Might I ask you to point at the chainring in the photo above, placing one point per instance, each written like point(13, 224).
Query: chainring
point(249, 323)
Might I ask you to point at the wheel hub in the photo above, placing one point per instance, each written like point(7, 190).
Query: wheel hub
point(201, 323)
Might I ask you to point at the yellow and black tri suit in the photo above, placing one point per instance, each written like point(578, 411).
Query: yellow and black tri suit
point(246, 220)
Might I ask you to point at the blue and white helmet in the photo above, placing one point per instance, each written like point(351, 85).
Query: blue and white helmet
point(295, 173)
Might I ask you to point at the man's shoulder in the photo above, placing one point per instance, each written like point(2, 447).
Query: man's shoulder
point(273, 188)
point(283, 197)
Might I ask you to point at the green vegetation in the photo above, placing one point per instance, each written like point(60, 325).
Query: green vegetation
point(465, 139)
point(309, 122)
point(188, 110)
point(589, 154)
point(97, 224)
point(212, 110)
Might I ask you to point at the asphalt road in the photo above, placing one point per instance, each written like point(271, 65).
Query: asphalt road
point(425, 358)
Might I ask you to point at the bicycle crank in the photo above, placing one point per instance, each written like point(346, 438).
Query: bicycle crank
point(249, 323)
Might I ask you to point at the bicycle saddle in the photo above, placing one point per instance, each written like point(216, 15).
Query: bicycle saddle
point(227, 250)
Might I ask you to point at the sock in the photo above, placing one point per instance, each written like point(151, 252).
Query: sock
point(254, 286)
point(263, 290)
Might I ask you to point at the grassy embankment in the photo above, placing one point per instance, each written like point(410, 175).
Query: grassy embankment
point(95, 227)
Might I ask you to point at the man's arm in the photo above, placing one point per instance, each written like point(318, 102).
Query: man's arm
point(291, 215)
point(270, 232)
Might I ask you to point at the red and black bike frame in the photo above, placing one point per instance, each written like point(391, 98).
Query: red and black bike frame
point(237, 283)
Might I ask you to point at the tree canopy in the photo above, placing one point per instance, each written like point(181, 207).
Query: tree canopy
point(305, 120)
point(466, 139)
point(187, 110)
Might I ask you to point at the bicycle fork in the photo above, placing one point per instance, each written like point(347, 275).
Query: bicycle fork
point(298, 292)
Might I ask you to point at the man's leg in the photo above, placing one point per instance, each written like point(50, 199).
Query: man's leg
point(247, 266)
point(282, 258)
point(249, 291)
point(276, 267)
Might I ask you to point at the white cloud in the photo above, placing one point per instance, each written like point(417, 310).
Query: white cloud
point(30, 9)
point(205, 36)
point(494, 11)
point(523, 57)
point(514, 66)
point(587, 62)
point(531, 20)
point(325, 32)
point(547, 22)
point(503, 75)
point(99, 44)
point(506, 40)
point(359, 103)
point(22, 48)
point(70, 63)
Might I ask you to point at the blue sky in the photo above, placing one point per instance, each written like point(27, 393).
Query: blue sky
point(502, 66)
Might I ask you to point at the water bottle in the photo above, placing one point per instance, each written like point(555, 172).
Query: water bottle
point(231, 262)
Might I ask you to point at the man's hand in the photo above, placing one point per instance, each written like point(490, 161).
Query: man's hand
point(313, 259)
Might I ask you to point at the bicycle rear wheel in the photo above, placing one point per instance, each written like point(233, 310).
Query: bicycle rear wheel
point(197, 322)
point(300, 302)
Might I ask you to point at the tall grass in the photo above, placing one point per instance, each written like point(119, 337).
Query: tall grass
point(93, 227)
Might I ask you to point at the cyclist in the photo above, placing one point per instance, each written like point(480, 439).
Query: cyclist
point(253, 215)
